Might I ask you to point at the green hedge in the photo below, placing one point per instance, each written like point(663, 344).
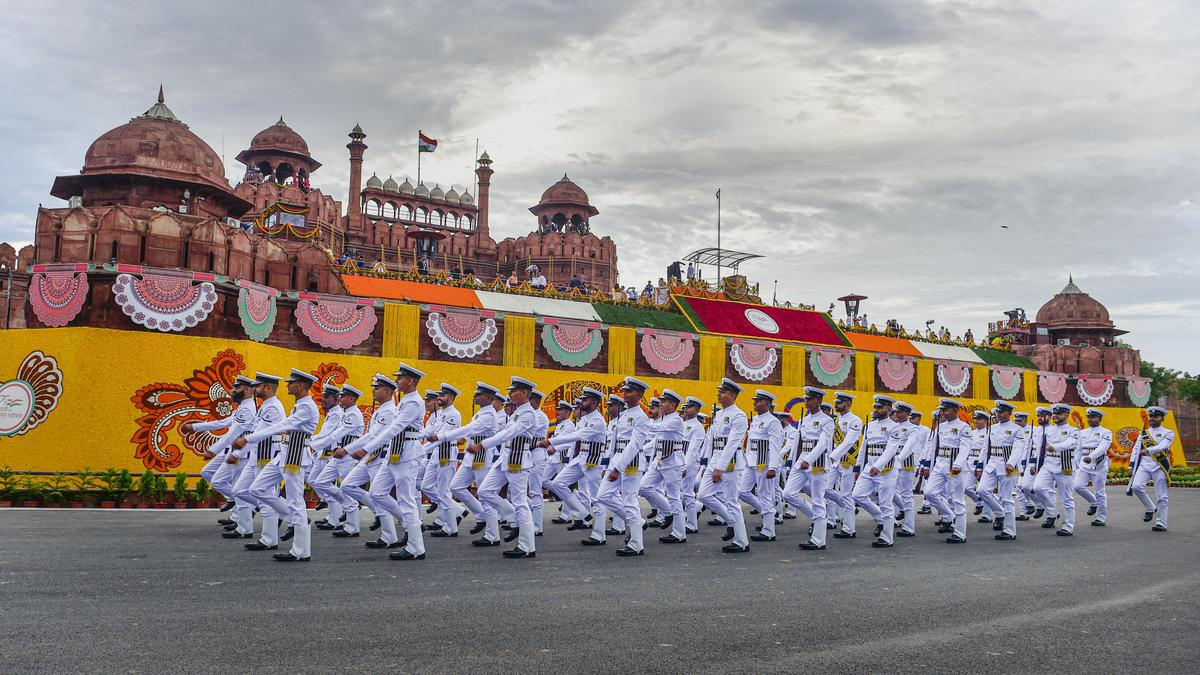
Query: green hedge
point(996, 357)
point(619, 315)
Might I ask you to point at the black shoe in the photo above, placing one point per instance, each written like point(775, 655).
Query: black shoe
point(537, 534)
point(578, 525)
point(343, 534)
point(431, 508)
point(1097, 523)
point(375, 525)
point(716, 522)
point(226, 506)
point(1049, 523)
point(442, 533)
point(379, 543)
point(236, 535)
point(626, 552)
point(672, 539)
point(1148, 516)
point(789, 516)
point(925, 510)
point(592, 542)
point(1092, 510)
point(880, 543)
point(728, 534)
point(405, 555)
point(978, 509)
point(829, 526)
point(479, 527)
point(403, 542)
point(288, 557)
point(1063, 533)
point(899, 517)
point(945, 528)
point(288, 534)
point(484, 542)
point(905, 533)
point(667, 522)
point(691, 530)
point(734, 548)
point(998, 525)
point(226, 521)
point(505, 526)
point(519, 553)
point(809, 546)
point(613, 532)
point(878, 531)
point(1022, 517)
point(259, 546)
point(754, 512)
point(653, 514)
point(1004, 536)
point(845, 535)
point(955, 539)
point(983, 519)
point(1030, 510)
point(319, 506)
point(426, 527)
point(1038, 513)
point(325, 525)
point(559, 520)
point(1158, 528)
point(230, 527)
point(512, 534)
point(762, 537)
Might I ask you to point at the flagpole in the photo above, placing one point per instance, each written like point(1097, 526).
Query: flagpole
point(718, 240)
point(418, 156)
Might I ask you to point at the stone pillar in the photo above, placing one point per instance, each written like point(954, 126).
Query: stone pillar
point(354, 205)
point(484, 173)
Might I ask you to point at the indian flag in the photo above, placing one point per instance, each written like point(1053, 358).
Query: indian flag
point(425, 143)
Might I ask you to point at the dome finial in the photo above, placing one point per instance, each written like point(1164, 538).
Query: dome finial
point(161, 98)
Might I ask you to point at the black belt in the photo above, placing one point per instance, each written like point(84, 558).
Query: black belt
point(445, 453)
point(876, 449)
point(264, 450)
point(1002, 451)
point(595, 450)
point(295, 447)
point(807, 446)
point(667, 448)
point(517, 449)
point(396, 447)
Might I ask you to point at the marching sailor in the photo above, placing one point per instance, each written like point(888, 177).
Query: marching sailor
point(329, 425)
point(537, 503)
point(365, 454)
point(1094, 442)
point(600, 529)
point(513, 466)
point(982, 420)
point(947, 456)
point(618, 491)
point(724, 445)
point(1036, 441)
point(259, 455)
point(485, 422)
point(288, 464)
point(441, 467)
point(876, 486)
point(1152, 462)
point(664, 477)
point(564, 423)
point(1056, 465)
point(404, 458)
point(808, 470)
point(906, 460)
point(326, 483)
point(218, 472)
point(764, 441)
point(693, 435)
point(787, 453)
point(839, 477)
point(429, 426)
point(1004, 446)
point(582, 448)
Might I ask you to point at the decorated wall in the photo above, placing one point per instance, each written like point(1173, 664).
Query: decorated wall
point(74, 397)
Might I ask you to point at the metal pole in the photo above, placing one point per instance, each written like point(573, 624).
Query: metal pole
point(718, 240)
point(418, 156)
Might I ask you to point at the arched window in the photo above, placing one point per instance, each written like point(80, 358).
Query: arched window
point(389, 210)
point(422, 214)
point(374, 208)
point(406, 212)
point(468, 222)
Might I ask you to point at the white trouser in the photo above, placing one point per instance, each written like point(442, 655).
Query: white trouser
point(314, 470)
point(1149, 470)
point(713, 495)
point(882, 487)
point(460, 489)
point(495, 506)
point(1096, 496)
point(223, 476)
point(518, 495)
point(537, 500)
point(906, 480)
point(406, 505)
point(811, 483)
point(946, 494)
point(1051, 481)
point(660, 487)
point(1002, 505)
point(326, 486)
point(621, 496)
point(747, 480)
point(1025, 485)
point(246, 499)
point(265, 489)
point(560, 484)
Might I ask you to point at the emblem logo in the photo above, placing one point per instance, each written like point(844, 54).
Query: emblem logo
point(760, 320)
point(16, 406)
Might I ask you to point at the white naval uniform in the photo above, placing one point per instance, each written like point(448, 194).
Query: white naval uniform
point(331, 422)
point(693, 433)
point(1033, 446)
point(350, 427)
point(537, 503)
point(949, 452)
point(975, 463)
point(218, 472)
point(631, 434)
point(816, 440)
point(404, 458)
point(1092, 465)
point(441, 467)
point(723, 445)
point(1004, 445)
point(906, 477)
point(662, 483)
point(1149, 470)
point(582, 449)
point(875, 488)
point(839, 476)
point(373, 445)
point(474, 467)
point(556, 461)
point(764, 441)
point(787, 452)
point(1055, 473)
point(259, 455)
point(291, 436)
point(512, 468)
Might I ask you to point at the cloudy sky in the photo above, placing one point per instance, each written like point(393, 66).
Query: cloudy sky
point(948, 159)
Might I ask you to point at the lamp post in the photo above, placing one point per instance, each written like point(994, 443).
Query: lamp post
point(852, 302)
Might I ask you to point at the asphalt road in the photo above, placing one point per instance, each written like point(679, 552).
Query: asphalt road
point(159, 592)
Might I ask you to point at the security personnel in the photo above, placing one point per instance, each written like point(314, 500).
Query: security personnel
point(944, 466)
point(291, 434)
point(619, 490)
point(1034, 506)
point(326, 483)
point(808, 470)
point(693, 435)
point(1092, 466)
point(1004, 446)
point(219, 473)
point(404, 459)
point(517, 438)
point(907, 459)
point(1057, 464)
point(764, 443)
point(486, 421)
point(724, 443)
point(1152, 461)
point(270, 411)
point(839, 477)
point(662, 482)
point(875, 488)
point(368, 452)
point(582, 448)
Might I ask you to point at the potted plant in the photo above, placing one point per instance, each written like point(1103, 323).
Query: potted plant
point(203, 493)
point(57, 488)
point(160, 493)
point(31, 491)
point(146, 485)
point(86, 482)
point(8, 484)
point(54, 498)
point(181, 492)
point(108, 493)
point(124, 486)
